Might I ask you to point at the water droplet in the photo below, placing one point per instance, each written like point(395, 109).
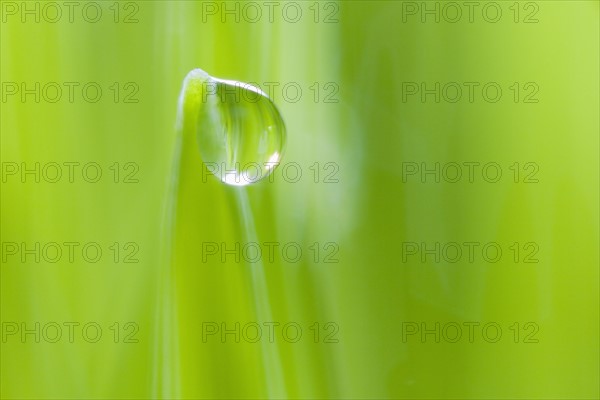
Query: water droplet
point(241, 134)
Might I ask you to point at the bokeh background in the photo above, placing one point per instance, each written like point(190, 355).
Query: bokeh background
point(153, 292)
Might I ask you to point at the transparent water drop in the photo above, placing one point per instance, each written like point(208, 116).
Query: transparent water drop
point(241, 134)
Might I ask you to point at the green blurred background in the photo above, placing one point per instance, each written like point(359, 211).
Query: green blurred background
point(155, 291)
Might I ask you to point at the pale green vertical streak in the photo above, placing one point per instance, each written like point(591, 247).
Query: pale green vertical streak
point(272, 363)
point(321, 212)
point(166, 371)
